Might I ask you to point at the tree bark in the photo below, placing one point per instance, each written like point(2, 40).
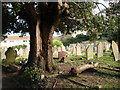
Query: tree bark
point(79, 69)
point(42, 24)
point(47, 30)
point(35, 43)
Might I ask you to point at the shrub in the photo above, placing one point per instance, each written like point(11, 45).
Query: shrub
point(19, 46)
point(56, 43)
point(31, 77)
point(79, 38)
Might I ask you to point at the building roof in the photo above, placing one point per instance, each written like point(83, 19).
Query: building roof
point(17, 38)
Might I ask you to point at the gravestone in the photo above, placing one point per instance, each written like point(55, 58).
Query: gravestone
point(11, 55)
point(100, 50)
point(61, 54)
point(83, 47)
point(0, 52)
point(63, 48)
point(74, 50)
point(3, 50)
point(89, 52)
point(71, 49)
point(108, 46)
point(59, 49)
point(26, 51)
point(115, 51)
point(78, 49)
point(55, 52)
point(20, 53)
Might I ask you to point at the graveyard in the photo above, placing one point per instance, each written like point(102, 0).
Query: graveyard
point(84, 53)
point(105, 75)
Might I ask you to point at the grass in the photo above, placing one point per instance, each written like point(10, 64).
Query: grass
point(106, 76)
point(115, 87)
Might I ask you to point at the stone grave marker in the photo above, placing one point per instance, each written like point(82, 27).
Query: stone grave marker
point(100, 50)
point(74, 49)
point(20, 52)
point(63, 48)
point(11, 54)
point(59, 49)
point(26, 51)
point(3, 50)
point(61, 54)
point(55, 52)
point(115, 51)
point(89, 52)
point(78, 49)
point(107, 46)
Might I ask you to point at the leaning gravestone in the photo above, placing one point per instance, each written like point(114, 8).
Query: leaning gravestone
point(89, 52)
point(78, 49)
point(11, 54)
point(115, 51)
point(100, 50)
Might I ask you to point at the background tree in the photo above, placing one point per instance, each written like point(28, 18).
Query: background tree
point(112, 30)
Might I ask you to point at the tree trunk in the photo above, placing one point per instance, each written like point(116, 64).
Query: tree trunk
point(42, 24)
point(79, 69)
point(35, 43)
point(41, 36)
point(47, 30)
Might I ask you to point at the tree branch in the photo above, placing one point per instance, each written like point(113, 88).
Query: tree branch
point(101, 4)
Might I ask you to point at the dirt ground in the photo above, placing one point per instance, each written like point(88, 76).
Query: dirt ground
point(87, 79)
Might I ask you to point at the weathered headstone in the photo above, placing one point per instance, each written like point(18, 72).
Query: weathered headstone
point(107, 47)
point(61, 54)
point(11, 54)
point(0, 52)
point(20, 52)
point(100, 50)
point(26, 51)
point(78, 49)
point(63, 48)
point(115, 51)
point(89, 52)
point(55, 52)
point(3, 50)
point(74, 49)
point(59, 49)
point(71, 49)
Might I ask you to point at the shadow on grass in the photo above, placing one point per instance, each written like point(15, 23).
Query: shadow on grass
point(110, 69)
point(108, 74)
point(67, 76)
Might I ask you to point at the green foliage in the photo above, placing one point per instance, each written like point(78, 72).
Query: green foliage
point(56, 43)
point(31, 77)
point(20, 46)
point(79, 38)
point(79, 11)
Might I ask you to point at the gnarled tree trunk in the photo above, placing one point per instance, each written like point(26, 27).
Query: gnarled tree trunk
point(42, 24)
